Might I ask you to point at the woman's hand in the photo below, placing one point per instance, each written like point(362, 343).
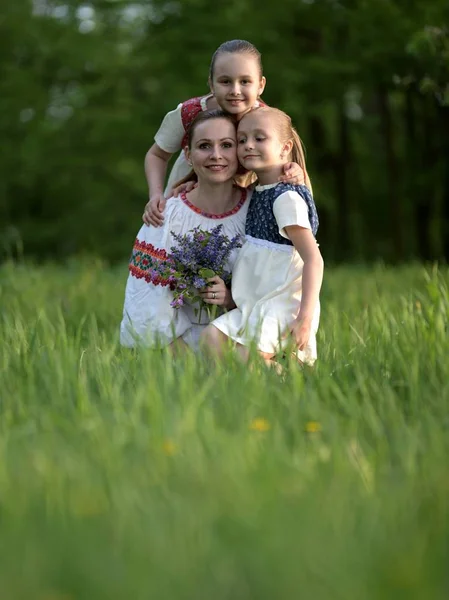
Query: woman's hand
point(217, 293)
point(154, 209)
point(293, 174)
point(186, 187)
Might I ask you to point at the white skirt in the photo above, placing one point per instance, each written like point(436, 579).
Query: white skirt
point(267, 289)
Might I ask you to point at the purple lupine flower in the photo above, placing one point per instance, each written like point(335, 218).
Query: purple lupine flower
point(177, 302)
point(198, 282)
point(196, 250)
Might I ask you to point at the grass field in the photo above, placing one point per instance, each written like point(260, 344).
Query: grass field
point(134, 476)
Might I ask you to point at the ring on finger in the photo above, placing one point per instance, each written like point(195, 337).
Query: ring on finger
point(214, 295)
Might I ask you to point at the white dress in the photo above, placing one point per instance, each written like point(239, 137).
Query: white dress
point(267, 276)
point(148, 319)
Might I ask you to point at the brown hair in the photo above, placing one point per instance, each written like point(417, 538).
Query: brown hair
point(286, 133)
point(236, 47)
point(207, 115)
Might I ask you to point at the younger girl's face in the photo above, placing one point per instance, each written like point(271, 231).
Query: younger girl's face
point(236, 82)
point(213, 152)
point(259, 145)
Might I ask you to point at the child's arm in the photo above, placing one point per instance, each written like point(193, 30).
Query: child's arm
point(312, 277)
point(293, 174)
point(156, 161)
point(167, 140)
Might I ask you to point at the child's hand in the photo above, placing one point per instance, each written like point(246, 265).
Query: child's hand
point(217, 293)
point(300, 331)
point(153, 214)
point(186, 187)
point(293, 174)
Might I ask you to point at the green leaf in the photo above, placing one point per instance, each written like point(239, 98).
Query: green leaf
point(207, 273)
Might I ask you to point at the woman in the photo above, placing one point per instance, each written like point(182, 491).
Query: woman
point(148, 317)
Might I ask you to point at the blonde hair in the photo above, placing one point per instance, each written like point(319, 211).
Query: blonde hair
point(287, 132)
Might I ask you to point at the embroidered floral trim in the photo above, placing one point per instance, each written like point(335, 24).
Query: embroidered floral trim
point(144, 258)
point(189, 110)
point(141, 246)
point(268, 244)
point(229, 213)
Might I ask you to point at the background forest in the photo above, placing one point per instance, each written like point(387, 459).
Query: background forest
point(84, 87)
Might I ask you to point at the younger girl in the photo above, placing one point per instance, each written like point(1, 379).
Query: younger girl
point(277, 277)
point(236, 81)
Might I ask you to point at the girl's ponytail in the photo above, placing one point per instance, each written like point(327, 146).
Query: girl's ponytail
point(297, 155)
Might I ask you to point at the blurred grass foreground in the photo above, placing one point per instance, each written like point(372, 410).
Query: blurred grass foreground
point(137, 476)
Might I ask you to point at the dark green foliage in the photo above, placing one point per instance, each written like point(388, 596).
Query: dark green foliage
point(366, 84)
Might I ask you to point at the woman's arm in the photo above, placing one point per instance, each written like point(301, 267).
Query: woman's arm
point(312, 277)
point(156, 161)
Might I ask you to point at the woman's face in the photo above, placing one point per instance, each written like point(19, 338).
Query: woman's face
point(236, 82)
point(213, 152)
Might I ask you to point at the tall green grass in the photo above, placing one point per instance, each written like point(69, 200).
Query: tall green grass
point(134, 475)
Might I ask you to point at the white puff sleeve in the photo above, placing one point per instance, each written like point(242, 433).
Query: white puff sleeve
point(290, 209)
point(170, 133)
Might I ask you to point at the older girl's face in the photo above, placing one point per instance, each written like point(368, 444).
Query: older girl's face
point(213, 153)
point(236, 82)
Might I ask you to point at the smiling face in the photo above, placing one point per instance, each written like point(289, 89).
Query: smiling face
point(236, 82)
point(213, 151)
point(260, 148)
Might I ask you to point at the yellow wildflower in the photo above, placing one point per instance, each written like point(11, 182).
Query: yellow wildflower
point(418, 305)
point(313, 427)
point(260, 425)
point(169, 448)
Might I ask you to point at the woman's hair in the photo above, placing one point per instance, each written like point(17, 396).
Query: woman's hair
point(236, 47)
point(283, 124)
point(208, 115)
point(203, 116)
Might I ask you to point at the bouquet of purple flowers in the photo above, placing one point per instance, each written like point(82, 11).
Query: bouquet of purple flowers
point(198, 256)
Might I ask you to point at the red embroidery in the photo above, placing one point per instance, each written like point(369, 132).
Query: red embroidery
point(140, 246)
point(145, 257)
point(154, 279)
point(189, 110)
point(229, 213)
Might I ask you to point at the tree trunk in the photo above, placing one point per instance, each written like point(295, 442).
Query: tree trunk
point(443, 113)
point(392, 171)
point(428, 175)
point(323, 164)
point(341, 164)
point(412, 187)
